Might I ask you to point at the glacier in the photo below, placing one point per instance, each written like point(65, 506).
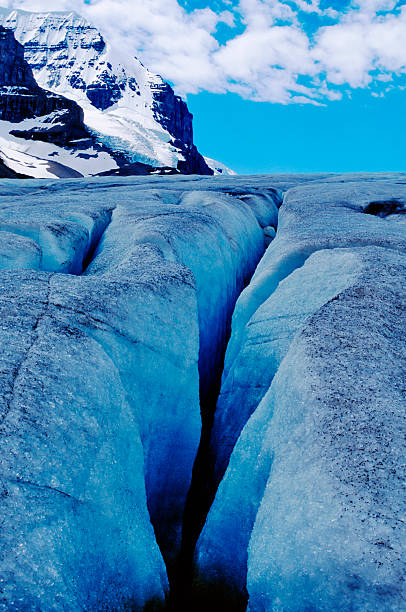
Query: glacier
point(202, 398)
point(306, 442)
point(104, 290)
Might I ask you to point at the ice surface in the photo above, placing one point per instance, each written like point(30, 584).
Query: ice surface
point(108, 294)
point(115, 303)
point(311, 501)
point(329, 532)
point(76, 532)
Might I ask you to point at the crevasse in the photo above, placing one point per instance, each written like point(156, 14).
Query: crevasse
point(299, 443)
point(103, 420)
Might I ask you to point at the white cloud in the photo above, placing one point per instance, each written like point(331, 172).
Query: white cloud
point(352, 51)
point(269, 54)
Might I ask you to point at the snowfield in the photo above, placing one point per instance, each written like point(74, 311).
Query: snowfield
point(147, 329)
point(45, 160)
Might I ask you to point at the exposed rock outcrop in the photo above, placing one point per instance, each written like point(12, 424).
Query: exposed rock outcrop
point(21, 98)
point(173, 114)
point(6, 172)
point(14, 69)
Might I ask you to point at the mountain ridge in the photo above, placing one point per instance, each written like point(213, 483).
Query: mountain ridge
point(131, 112)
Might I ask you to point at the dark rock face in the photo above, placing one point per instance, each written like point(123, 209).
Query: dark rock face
point(172, 113)
point(139, 169)
point(21, 98)
point(105, 92)
point(174, 116)
point(194, 162)
point(8, 173)
point(59, 127)
point(14, 70)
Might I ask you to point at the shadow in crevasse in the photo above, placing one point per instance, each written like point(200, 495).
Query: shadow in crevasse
point(199, 596)
point(385, 208)
point(187, 592)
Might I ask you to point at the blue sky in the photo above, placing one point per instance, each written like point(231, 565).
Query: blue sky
point(361, 131)
point(275, 85)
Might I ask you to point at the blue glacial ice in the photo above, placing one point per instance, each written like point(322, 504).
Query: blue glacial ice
point(310, 416)
point(116, 297)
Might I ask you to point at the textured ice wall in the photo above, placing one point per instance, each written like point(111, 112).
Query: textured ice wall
point(102, 291)
point(323, 216)
point(311, 499)
point(329, 532)
point(219, 239)
point(108, 289)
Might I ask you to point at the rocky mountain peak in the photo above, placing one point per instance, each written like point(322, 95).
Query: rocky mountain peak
point(129, 109)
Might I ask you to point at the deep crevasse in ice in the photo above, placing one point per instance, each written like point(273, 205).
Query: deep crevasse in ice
point(219, 240)
point(107, 290)
point(311, 501)
point(103, 288)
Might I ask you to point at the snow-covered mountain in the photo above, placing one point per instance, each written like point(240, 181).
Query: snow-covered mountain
point(131, 111)
point(42, 133)
point(218, 167)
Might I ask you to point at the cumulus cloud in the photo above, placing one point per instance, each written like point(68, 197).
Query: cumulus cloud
point(358, 50)
point(269, 52)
